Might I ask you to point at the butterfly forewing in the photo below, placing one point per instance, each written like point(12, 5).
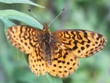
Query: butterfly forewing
point(24, 38)
point(81, 43)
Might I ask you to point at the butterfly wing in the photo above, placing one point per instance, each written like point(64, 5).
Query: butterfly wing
point(66, 48)
point(28, 39)
point(81, 43)
point(68, 45)
point(24, 38)
point(37, 62)
point(64, 63)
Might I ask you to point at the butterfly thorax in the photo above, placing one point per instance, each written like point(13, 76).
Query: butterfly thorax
point(46, 44)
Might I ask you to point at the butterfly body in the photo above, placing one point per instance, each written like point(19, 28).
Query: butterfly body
point(45, 44)
point(56, 53)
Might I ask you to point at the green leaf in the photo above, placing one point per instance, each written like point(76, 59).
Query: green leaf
point(6, 21)
point(53, 79)
point(5, 15)
point(21, 1)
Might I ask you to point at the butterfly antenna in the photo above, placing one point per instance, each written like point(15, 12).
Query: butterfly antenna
point(34, 16)
point(56, 16)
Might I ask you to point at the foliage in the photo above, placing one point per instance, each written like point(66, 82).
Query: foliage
point(20, 1)
point(79, 14)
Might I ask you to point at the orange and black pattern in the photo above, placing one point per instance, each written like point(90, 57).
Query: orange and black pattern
point(56, 53)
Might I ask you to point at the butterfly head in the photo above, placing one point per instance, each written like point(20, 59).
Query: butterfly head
point(46, 28)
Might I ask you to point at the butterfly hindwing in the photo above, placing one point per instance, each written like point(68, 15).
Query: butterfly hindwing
point(37, 63)
point(64, 63)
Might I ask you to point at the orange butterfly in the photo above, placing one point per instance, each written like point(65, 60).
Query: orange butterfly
point(58, 52)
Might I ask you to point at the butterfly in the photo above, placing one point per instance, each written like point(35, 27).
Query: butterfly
point(56, 53)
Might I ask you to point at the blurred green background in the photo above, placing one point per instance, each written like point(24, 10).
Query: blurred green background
point(91, 15)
